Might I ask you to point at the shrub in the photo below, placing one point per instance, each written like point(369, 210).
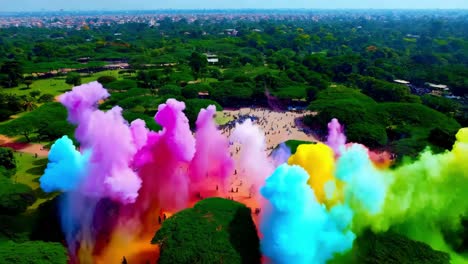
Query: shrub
point(106, 79)
point(215, 230)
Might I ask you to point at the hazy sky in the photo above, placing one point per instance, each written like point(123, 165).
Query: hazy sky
point(37, 5)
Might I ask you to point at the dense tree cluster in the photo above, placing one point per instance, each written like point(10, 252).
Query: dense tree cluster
point(48, 122)
point(391, 248)
point(406, 126)
point(228, 225)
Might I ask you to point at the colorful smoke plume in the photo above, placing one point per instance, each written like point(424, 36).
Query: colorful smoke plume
point(123, 178)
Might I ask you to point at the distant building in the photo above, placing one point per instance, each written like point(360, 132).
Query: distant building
point(442, 87)
point(231, 32)
point(203, 95)
point(211, 58)
point(412, 36)
point(402, 82)
point(438, 89)
point(83, 60)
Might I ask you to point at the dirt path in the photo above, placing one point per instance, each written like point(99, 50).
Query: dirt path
point(30, 148)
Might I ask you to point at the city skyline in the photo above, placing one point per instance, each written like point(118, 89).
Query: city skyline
point(109, 5)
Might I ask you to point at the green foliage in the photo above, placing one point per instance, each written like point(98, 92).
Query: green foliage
point(7, 159)
point(11, 74)
point(291, 92)
point(148, 79)
point(46, 98)
point(169, 90)
point(418, 116)
point(230, 93)
point(106, 79)
point(55, 129)
point(198, 63)
point(392, 248)
point(121, 85)
point(181, 77)
point(150, 123)
point(73, 78)
point(311, 93)
point(47, 226)
point(383, 91)
point(412, 125)
point(9, 105)
point(293, 144)
point(14, 197)
point(148, 102)
point(367, 133)
point(34, 94)
point(440, 104)
point(191, 91)
point(28, 83)
point(407, 126)
point(358, 113)
point(442, 138)
point(314, 79)
point(193, 107)
point(33, 252)
point(215, 230)
point(49, 115)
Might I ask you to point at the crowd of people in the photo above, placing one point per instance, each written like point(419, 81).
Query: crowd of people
point(277, 126)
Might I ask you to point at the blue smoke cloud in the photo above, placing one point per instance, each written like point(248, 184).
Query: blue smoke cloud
point(365, 185)
point(66, 169)
point(298, 229)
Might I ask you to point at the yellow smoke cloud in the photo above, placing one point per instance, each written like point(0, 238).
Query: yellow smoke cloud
point(319, 162)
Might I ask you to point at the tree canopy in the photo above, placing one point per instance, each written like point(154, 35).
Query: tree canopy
point(215, 230)
point(33, 252)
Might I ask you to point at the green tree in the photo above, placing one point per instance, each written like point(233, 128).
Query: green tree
point(169, 90)
point(34, 94)
point(14, 197)
point(73, 78)
point(198, 63)
point(122, 85)
point(391, 248)
point(363, 122)
point(215, 230)
point(28, 83)
point(193, 107)
point(28, 103)
point(36, 121)
point(440, 104)
point(383, 91)
point(106, 79)
point(7, 159)
point(46, 98)
point(11, 73)
point(191, 91)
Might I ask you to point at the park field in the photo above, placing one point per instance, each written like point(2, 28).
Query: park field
point(56, 86)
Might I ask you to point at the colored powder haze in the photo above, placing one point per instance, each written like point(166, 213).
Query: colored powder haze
point(315, 202)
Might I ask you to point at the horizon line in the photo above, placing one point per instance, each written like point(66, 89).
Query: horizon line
point(238, 9)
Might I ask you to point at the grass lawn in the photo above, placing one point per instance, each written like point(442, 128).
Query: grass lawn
point(54, 86)
point(29, 169)
point(95, 76)
point(57, 85)
point(221, 120)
